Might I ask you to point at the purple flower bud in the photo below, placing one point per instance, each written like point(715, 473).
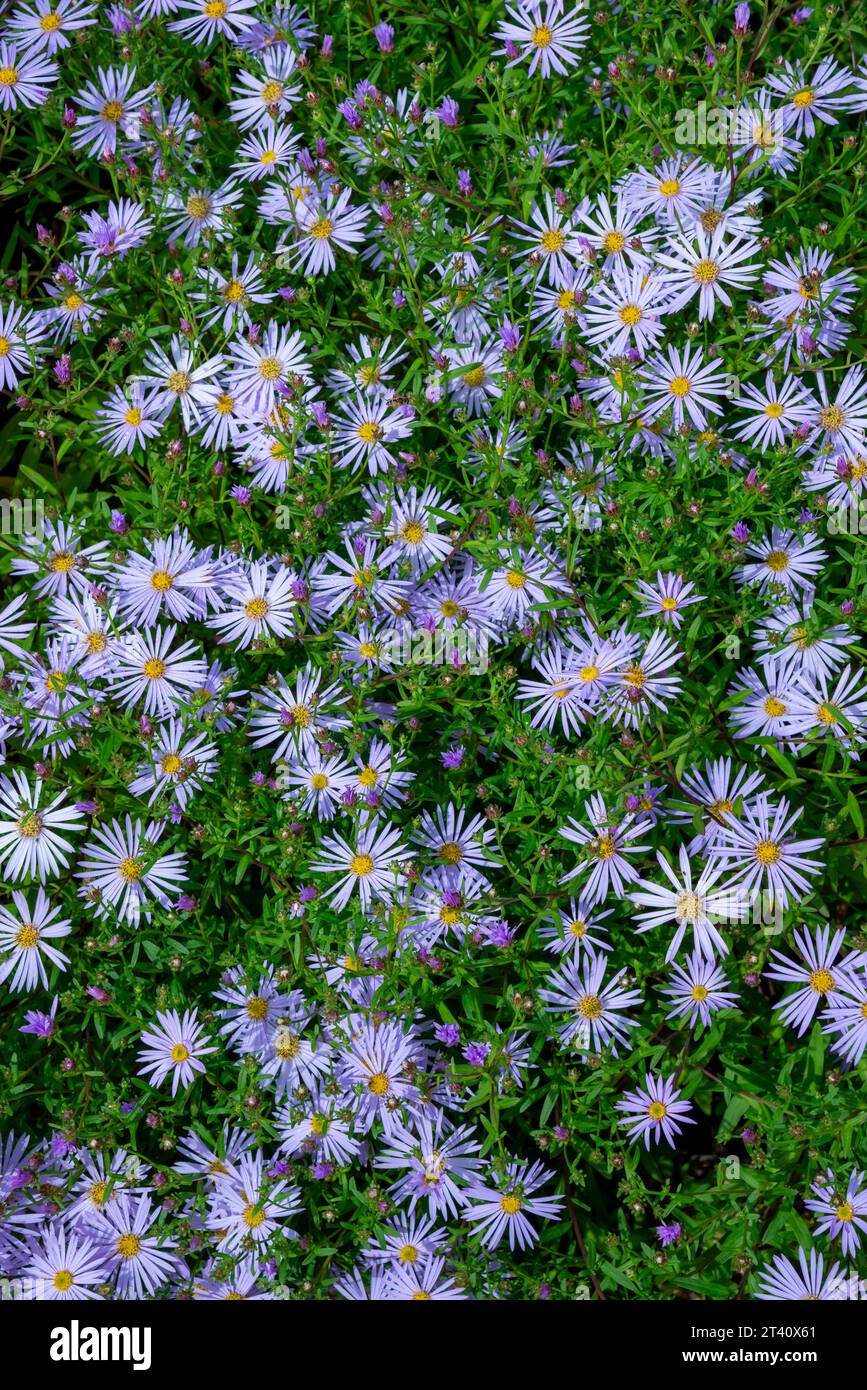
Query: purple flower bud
point(449, 113)
point(327, 45)
point(384, 35)
point(465, 183)
point(118, 524)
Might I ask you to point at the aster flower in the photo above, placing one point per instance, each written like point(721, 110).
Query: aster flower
point(704, 265)
point(762, 854)
point(248, 1209)
point(458, 842)
point(819, 974)
point(842, 1211)
point(33, 841)
point(365, 429)
point(121, 872)
point(178, 765)
point(209, 18)
point(561, 694)
point(846, 1013)
point(614, 234)
point(259, 370)
point(11, 629)
point(775, 413)
point(438, 1159)
point(550, 237)
point(25, 79)
point(317, 1128)
point(654, 1112)
point(290, 717)
point(605, 847)
point(148, 668)
point(140, 1259)
point(227, 297)
point(626, 311)
point(685, 384)
point(424, 1283)
point(674, 191)
point(520, 582)
point(408, 1240)
point(173, 577)
point(64, 1265)
point(475, 374)
point(26, 939)
point(781, 1281)
point(579, 926)
point(110, 110)
point(128, 418)
point(263, 152)
point(698, 991)
point(318, 782)
point(645, 681)
point(259, 605)
point(689, 905)
point(370, 866)
point(320, 227)
point(175, 381)
point(47, 23)
point(376, 1069)
point(174, 1046)
point(595, 1008)
point(201, 212)
point(22, 335)
point(502, 1208)
point(784, 559)
point(269, 95)
point(544, 32)
point(807, 100)
point(671, 594)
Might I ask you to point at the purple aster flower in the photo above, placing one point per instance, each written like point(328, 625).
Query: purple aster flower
point(384, 35)
point(39, 1024)
point(447, 1033)
point(449, 113)
point(782, 1282)
point(667, 1235)
point(655, 1111)
point(477, 1053)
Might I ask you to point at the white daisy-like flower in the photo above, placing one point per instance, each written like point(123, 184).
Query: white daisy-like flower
point(33, 841)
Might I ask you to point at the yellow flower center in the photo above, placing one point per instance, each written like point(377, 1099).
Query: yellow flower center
point(699, 992)
point(768, 852)
point(256, 609)
point(669, 187)
point(773, 410)
point(777, 561)
point(657, 1111)
point(162, 581)
point(613, 242)
point(215, 9)
point(630, 314)
point(322, 230)
point(451, 853)
point(30, 826)
point(362, 865)
point(233, 291)
point(688, 907)
point(179, 382)
point(590, 1006)
point(408, 1254)
point(198, 207)
point(378, 1084)
point(170, 764)
point(516, 580)
point(27, 937)
point(319, 781)
point(132, 416)
point(804, 98)
point(253, 1218)
point(128, 1246)
point(63, 1280)
point(831, 418)
point(180, 1053)
point(679, 386)
point(130, 870)
point(541, 36)
point(257, 1008)
point(774, 707)
point(369, 432)
point(270, 368)
point(706, 272)
point(62, 561)
point(73, 302)
point(48, 23)
point(154, 669)
point(552, 241)
point(510, 1204)
point(112, 111)
point(272, 92)
point(413, 533)
point(845, 1212)
point(821, 981)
